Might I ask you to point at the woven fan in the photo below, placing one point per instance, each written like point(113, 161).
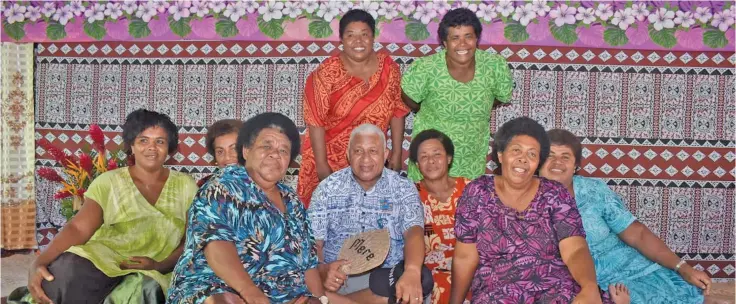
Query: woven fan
point(364, 251)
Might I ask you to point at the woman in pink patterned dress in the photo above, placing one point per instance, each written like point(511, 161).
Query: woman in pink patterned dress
point(520, 238)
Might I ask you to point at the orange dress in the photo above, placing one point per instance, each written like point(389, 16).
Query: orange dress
point(439, 237)
point(339, 102)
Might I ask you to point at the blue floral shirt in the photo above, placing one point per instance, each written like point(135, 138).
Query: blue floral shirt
point(341, 208)
point(276, 249)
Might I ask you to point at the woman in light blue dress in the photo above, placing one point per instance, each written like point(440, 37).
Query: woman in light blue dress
point(624, 250)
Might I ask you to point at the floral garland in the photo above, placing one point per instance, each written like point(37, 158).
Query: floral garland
point(565, 17)
point(78, 172)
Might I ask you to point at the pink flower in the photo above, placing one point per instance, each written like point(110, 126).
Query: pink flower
point(425, 13)
point(486, 12)
point(685, 19)
point(639, 10)
point(180, 9)
point(129, 6)
point(525, 14)
point(63, 15)
point(310, 5)
point(160, 5)
point(95, 12)
point(469, 5)
point(76, 7)
point(563, 14)
point(662, 18)
point(604, 11)
point(368, 6)
point(235, 11)
point(623, 18)
point(703, 14)
point(33, 13)
point(723, 20)
point(271, 11)
point(200, 8)
point(406, 7)
point(114, 10)
point(541, 7)
point(146, 12)
point(505, 7)
point(49, 8)
point(15, 13)
point(587, 15)
point(250, 5)
point(388, 10)
point(441, 6)
point(216, 5)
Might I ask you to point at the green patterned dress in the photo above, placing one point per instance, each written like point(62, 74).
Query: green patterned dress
point(460, 110)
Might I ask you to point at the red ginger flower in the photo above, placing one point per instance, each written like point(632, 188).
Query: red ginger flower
point(57, 154)
point(98, 138)
point(49, 174)
point(86, 163)
point(112, 164)
point(62, 195)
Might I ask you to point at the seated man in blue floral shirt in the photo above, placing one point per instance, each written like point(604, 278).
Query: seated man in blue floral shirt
point(365, 197)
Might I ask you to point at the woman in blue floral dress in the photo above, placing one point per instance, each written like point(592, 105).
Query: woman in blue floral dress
point(247, 237)
point(623, 249)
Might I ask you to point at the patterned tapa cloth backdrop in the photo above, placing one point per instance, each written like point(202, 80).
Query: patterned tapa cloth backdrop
point(18, 204)
point(658, 126)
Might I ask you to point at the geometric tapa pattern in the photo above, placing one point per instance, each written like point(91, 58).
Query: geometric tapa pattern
point(658, 127)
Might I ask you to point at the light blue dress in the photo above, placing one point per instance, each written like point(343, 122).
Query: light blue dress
point(604, 217)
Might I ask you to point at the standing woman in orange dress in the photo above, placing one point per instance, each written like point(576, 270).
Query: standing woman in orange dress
point(356, 86)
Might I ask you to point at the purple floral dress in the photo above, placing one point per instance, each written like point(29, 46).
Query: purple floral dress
point(519, 252)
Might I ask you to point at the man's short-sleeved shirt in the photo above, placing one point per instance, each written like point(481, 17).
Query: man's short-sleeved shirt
point(341, 208)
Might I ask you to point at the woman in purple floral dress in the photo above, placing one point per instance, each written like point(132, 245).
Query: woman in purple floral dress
point(520, 238)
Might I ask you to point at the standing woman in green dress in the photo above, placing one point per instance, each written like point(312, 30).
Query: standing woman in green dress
point(454, 91)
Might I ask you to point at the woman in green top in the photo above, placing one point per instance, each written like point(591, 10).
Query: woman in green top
point(132, 222)
point(454, 90)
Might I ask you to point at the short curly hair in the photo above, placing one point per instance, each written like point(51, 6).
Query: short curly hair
point(428, 134)
point(252, 128)
point(561, 137)
point(520, 126)
point(357, 15)
point(220, 128)
point(458, 17)
point(139, 120)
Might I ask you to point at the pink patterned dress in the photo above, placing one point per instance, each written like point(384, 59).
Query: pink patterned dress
point(519, 252)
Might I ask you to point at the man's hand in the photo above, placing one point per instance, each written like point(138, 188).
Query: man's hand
point(335, 277)
point(409, 287)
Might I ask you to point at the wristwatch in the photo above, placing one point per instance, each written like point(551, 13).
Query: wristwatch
point(324, 300)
